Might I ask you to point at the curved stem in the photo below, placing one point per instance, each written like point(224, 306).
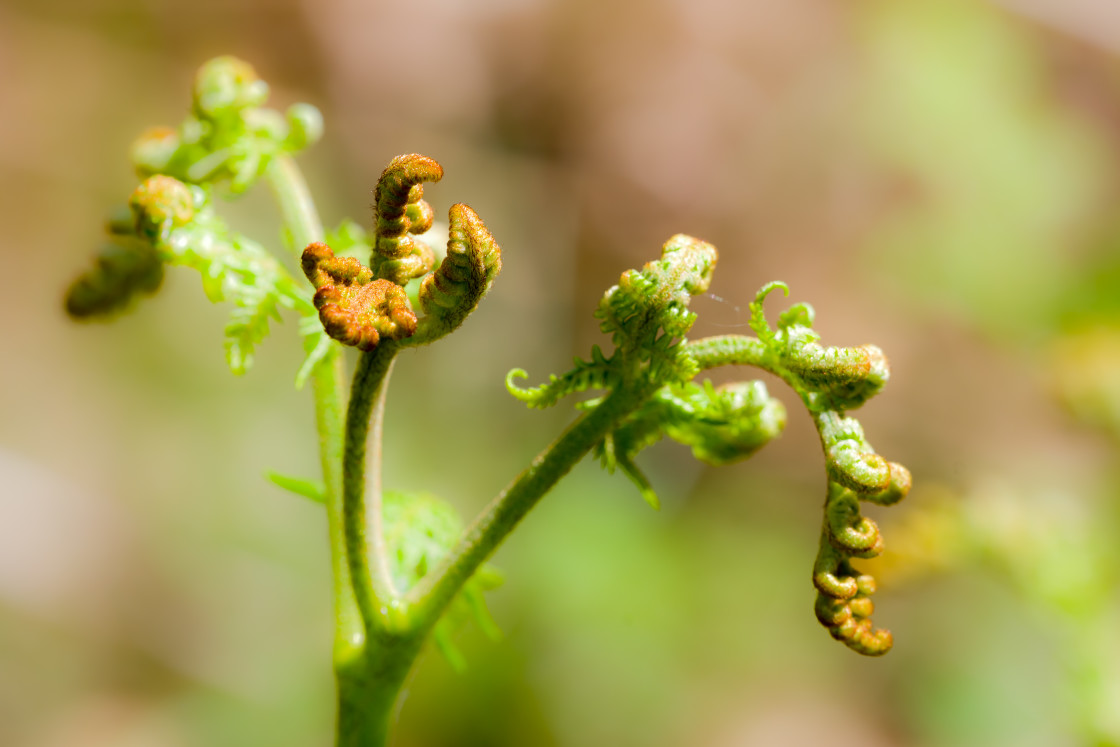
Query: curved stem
point(371, 591)
point(725, 350)
point(429, 597)
point(302, 220)
point(383, 577)
point(326, 387)
point(294, 198)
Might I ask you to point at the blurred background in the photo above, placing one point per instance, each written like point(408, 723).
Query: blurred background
point(935, 176)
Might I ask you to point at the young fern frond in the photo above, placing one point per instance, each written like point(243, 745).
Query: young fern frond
point(173, 223)
point(647, 313)
point(358, 305)
point(406, 568)
point(597, 373)
point(647, 316)
point(184, 230)
point(228, 136)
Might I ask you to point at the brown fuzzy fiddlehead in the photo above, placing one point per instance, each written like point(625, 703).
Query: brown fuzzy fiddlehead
point(355, 308)
point(453, 291)
point(360, 305)
point(401, 211)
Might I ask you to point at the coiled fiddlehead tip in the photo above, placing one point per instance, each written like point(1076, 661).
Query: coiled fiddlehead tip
point(123, 270)
point(647, 313)
point(400, 211)
point(153, 150)
point(160, 204)
point(455, 289)
point(305, 126)
point(843, 603)
point(354, 307)
point(226, 84)
point(898, 486)
point(696, 258)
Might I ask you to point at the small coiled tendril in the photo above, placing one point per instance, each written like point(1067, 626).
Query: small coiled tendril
point(359, 305)
point(647, 316)
point(598, 373)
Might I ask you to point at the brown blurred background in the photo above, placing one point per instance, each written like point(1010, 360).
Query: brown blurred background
point(934, 176)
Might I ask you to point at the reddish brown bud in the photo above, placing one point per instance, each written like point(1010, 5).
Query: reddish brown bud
point(355, 308)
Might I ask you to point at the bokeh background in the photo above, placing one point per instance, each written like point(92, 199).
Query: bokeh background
point(935, 176)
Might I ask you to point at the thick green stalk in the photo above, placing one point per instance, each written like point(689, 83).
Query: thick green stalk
point(370, 684)
point(370, 688)
point(374, 592)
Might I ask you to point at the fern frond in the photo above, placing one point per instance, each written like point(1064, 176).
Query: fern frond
point(598, 373)
point(176, 221)
point(229, 135)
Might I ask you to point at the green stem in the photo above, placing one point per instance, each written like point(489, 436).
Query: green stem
point(326, 387)
point(294, 198)
point(369, 690)
point(740, 350)
point(302, 220)
point(382, 576)
point(435, 591)
point(374, 592)
point(725, 350)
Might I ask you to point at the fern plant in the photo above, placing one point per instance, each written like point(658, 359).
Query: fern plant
point(402, 564)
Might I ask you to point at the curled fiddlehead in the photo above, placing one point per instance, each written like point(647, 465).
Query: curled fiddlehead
point(400, 211)
point(647, 316)
point(466, 273)
point(227, 137)
point(125, 269)
point(356, 308)
point(359, 305)
point(831, 381)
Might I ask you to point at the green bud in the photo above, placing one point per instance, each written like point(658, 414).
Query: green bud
point(226, 84)
point(305, 126)
point(160, 204)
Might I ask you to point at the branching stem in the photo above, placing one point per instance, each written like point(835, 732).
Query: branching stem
point(428, 598)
